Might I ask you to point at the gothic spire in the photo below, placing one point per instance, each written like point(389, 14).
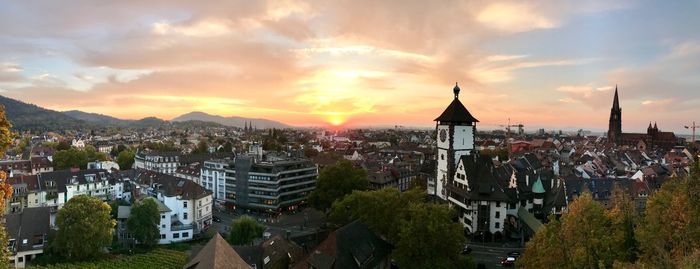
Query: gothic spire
point(616, 101)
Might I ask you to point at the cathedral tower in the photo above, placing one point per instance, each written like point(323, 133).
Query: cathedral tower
point(615, 125)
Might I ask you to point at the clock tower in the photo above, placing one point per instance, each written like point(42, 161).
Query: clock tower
point(456, 130)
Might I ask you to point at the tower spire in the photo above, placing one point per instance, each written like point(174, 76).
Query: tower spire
point(456, 90)
point(616, 101)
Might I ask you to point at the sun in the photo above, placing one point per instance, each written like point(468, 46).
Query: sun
point(336, 120)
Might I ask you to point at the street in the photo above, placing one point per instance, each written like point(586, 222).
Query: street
point(302, 222)
point(490, 256)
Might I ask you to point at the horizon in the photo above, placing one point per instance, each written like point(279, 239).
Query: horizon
point(305, 63)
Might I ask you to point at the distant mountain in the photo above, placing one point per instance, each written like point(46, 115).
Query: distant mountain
point(230, 121)
point(95, 117)
point(34, 118)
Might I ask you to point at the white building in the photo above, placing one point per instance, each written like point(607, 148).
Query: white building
point(489, 196)
point(162, 162)
point(189, 203)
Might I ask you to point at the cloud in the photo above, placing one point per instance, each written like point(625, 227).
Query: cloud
point(513, 17)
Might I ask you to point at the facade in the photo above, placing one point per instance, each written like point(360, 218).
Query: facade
point(27, 232)
point(490, 198)
point(162, 162)
point(273, 182)
point(33, 166)
point(189, 204)
point(652, 138)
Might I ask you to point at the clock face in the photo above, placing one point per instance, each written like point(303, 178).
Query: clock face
point(443, 135)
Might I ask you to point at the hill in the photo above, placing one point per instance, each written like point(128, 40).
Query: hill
point(230, 121)
point(95, 117)
point(30, 117)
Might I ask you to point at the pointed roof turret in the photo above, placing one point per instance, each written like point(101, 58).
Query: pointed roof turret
point(655, 127)
point(456, 112)
point(616, 101)
point(538, 187)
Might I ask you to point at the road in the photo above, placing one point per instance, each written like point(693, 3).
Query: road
point(303, 222)
point(490, 255)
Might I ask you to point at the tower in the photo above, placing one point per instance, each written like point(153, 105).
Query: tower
point(456, 130)
point(615, 126)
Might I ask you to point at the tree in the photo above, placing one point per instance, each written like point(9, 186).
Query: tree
point(63, 145)
point(5, 187)
point(669, 233)
point(244, 230)
point(336, 181)
point(125, 159)
point(423, 233)
point(429, 238)
point(143, 222)
point(624, 219)
point(84, 228)
point(202, 147)
point(586, 236)
point(228, 147)
point(65, 159)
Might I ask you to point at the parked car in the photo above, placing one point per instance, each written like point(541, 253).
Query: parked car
point(508, 261)
point(216, 219)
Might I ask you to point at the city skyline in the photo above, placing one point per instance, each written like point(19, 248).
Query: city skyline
point(349, 64)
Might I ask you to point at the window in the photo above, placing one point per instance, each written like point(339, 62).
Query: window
point(162, 216)
point(498, 225)
point(498, 214)
point(498, 204)
point(200, 202)
point(163, 226)
point(184, 204)
point(184, 215)
point(162, 236)
point(185, 235)
point(176, 235)
point(21, 259)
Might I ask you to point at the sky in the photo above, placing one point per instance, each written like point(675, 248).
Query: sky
point(545, 64)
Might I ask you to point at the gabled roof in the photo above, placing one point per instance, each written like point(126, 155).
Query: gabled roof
point(217, 254)
point(456, 112)
point(352, 246)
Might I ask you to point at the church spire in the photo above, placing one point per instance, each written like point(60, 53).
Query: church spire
point(456, 90)
point(616, 101)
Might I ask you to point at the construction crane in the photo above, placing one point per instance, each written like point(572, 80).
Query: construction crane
point(508, 126)
point(692, 127)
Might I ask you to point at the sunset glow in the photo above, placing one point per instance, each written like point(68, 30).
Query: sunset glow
point(357, 63)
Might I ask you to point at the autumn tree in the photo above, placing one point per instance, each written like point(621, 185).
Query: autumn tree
point(85, 227)
point(143, 222)
point(5, 187)
point(244, 230)
point(587, 236)
point(669, 233)
point(335, 182)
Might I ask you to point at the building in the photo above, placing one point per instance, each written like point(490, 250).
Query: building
point(351, 246)
point(271, 182)
point(651, 139)
point(490, 197)
point(189, 204)
point(162, 162)
point(217, 254)
point(27, 232)
point(32, 166)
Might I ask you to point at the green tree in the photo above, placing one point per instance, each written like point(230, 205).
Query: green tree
point(63, 145)
point(94, 155)
point(335, 182)
point(544, 250)
point(125, 159)
point(423, 233)
point(624, 219)
point(202, 147)
point(65, 159)
point(143, 222)
point(244, 230)
point(84, 228)
point(429, 238)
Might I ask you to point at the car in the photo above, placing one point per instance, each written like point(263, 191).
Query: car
point(216, 219)
point(466, 250)
point(508, 261)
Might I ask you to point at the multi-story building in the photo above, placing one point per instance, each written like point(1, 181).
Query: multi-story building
point(189, 203)
point(32, 166)
point(490, 198)
point(162, 162)
point(27, 232)
point(271, 182)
